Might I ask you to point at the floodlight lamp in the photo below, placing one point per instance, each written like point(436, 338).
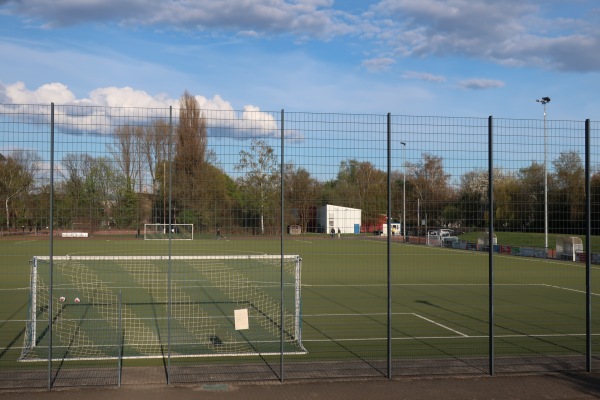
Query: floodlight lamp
point(544, 100)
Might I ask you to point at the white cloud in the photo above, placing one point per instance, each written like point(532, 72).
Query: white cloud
point(97, 112)
point(128, 97)
point(479, 83)
point(378, 64)
point(17, 93)
point(424, 76)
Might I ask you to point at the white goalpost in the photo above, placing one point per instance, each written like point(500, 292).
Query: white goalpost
point(168, 231)
point(104, 307)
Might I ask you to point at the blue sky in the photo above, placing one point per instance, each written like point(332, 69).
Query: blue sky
point(414, 57)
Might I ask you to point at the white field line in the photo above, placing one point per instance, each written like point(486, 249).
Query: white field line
point(441, 325)
point(421, 284)
point(569, 289)
point(380, 314)
point(304, 340)
point(355, 315)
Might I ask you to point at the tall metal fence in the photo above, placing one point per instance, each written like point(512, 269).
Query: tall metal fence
point(184, 245)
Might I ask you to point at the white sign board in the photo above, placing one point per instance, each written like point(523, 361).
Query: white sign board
point(241, 319)
point(75, 234)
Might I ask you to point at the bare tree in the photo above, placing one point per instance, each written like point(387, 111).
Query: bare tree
point(260, 182)
point(154, 147)
point(126, 152)
point(17, 176)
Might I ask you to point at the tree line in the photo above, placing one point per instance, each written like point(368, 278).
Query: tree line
point(147, 177)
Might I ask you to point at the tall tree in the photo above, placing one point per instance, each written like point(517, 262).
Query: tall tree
point(530, 198)
point(199, 190)
point(473, 196)
point(17, 176)
point(190, 148)
point(125, 151)
point(90, 190)
point(360, 185)
point(302, 193)
point(154, 147)
point(569, 180)
point(190, 194)
point(260, 182)
point(430, 188)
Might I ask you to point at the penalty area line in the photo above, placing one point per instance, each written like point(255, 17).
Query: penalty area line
point(440, 325)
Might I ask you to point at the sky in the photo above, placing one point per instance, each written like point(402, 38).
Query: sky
point(471, 58)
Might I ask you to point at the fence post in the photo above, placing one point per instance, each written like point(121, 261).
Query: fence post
point(51, 246)
point(281, 282)
point(588, 251)
point(389, 245)
point(120, 337)
point(491, 240)
point(169, 270)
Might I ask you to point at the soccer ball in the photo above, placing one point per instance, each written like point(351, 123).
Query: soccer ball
point(62, 299)
point(77, 300)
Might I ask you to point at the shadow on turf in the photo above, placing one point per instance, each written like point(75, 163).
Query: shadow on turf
point(18, 336)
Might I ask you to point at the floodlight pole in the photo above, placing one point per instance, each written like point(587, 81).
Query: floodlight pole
point(403, 190)
point(544, 101)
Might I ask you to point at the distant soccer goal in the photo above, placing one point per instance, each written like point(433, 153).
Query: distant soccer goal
point(146, 306)
point(168, 231)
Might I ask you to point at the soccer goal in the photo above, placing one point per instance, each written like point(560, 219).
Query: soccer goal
point(151, 306)
point(168, 231)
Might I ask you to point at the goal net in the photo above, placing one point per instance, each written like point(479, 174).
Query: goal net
point(168, 231)
point(151, 306)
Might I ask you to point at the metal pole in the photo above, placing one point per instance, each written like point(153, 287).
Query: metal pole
point(170, 269)
point(51, 250)
point(491, 241)
point(281, 283)
point(588, 251)
point(389, 242)
point(544, 101)
point(403, 190)
point(120, 338)
point(545, 184)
